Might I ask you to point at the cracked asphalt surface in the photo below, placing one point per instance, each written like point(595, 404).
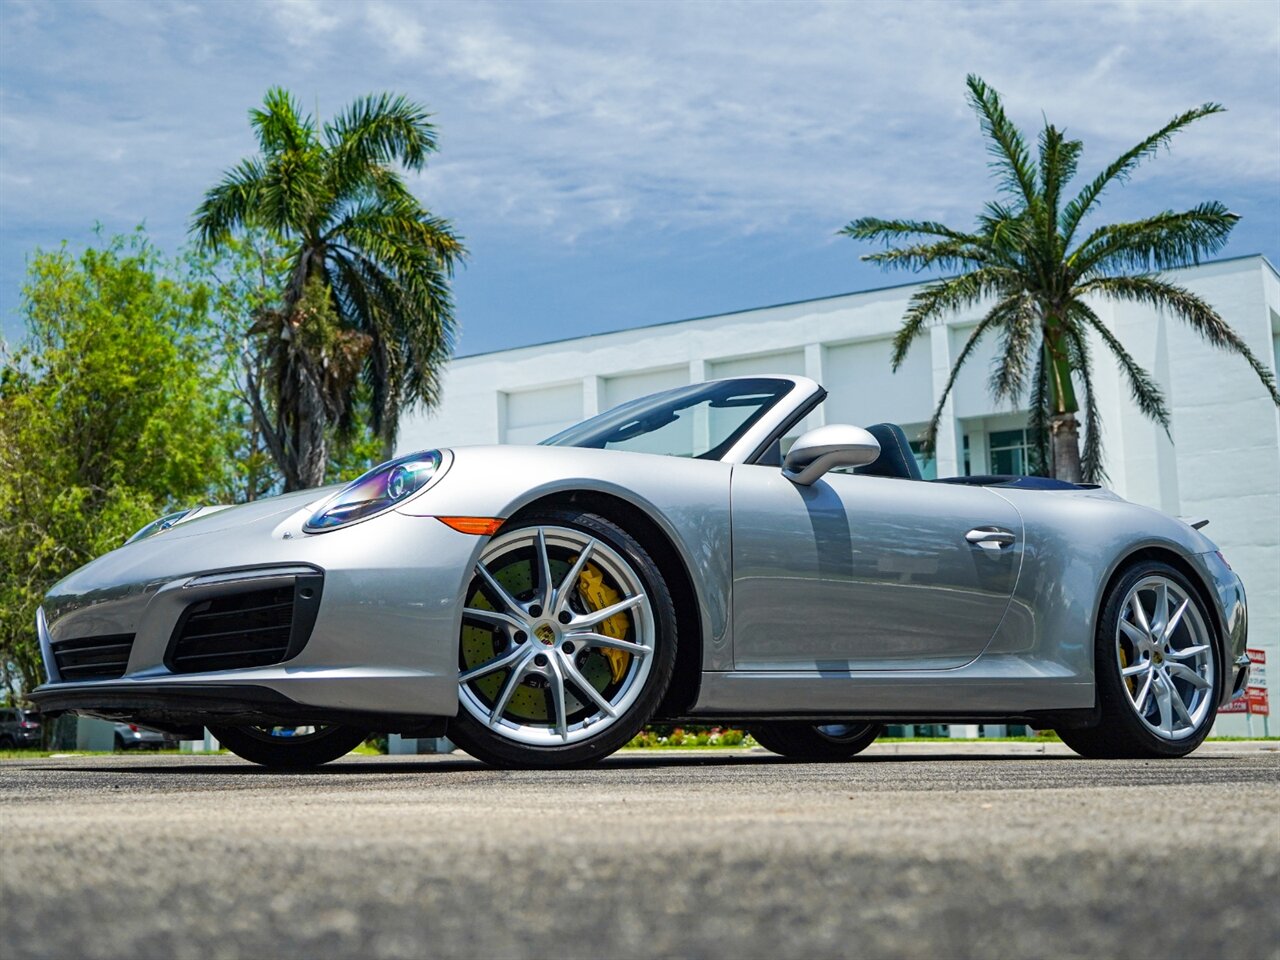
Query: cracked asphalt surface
point(927, 852)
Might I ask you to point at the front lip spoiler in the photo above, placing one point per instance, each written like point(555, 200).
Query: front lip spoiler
point(201, 704)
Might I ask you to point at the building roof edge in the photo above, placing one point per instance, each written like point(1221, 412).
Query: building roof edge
point(786, 303)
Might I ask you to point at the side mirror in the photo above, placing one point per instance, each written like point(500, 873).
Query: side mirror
point(835, 445)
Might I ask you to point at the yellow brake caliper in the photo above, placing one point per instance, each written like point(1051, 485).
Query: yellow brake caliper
point(597, 595)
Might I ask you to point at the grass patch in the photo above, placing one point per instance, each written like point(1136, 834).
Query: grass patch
point(46, 754)
point(741, 745)
point(1046, 739)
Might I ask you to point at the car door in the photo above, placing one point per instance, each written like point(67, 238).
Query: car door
point(867, 573)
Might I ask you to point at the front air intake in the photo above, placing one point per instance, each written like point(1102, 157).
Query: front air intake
point(252, 628)
point(93, 658)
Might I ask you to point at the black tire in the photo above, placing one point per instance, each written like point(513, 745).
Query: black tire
point(806, 741)
point(1120, 734)
point(310, 750)
point(7, 743)
point(120, 747)
point(477, 739)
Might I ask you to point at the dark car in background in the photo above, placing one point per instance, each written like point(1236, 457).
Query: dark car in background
point(19, 727)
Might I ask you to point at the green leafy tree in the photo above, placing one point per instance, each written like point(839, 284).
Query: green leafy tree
point(109, 416)
point(364, 321)
point(1030, 263)
point(244, 276)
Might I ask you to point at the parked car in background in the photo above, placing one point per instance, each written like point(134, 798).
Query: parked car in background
point(130, 736)
point(19, 728)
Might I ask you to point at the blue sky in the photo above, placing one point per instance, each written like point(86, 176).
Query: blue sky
point(620, 164)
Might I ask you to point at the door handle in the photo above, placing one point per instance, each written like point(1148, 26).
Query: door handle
point(990, 538)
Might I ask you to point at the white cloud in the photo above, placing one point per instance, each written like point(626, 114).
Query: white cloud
point(302, 23)
point(393, 29)
point(573, 120)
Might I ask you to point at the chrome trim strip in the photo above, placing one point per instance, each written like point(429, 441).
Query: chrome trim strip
point(250, 573)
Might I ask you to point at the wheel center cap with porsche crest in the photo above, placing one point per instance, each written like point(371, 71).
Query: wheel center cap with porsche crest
point(545, 633)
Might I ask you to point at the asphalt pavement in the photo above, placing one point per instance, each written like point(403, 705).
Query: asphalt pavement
point(926, 850)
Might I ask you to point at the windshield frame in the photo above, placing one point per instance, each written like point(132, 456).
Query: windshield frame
point(796, 396)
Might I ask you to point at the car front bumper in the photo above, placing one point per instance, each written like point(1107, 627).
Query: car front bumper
point(383, 644)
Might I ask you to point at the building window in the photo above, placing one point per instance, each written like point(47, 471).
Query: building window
point(928, 465)
point(1009, 452)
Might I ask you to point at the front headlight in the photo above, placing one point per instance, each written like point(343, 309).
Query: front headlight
point(385, 486)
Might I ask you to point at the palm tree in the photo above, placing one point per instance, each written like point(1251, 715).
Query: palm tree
point(365, 321)
point(1026, 261)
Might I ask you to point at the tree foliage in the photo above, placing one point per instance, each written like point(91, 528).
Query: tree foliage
point(1027, 265)
point(363, 321)
point(109, 416)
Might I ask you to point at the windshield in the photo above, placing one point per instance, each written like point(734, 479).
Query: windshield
point(703, 420)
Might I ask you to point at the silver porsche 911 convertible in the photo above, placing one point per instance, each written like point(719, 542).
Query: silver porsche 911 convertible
point(661, 561)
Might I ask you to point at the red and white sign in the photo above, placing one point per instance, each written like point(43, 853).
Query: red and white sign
point(1254, 700)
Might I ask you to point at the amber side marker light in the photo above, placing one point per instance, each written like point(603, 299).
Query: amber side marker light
point(479, 526)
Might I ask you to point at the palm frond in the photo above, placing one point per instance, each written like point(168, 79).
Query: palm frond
point(1186, 306)
point(1120, 169)
point(945, 296)
point(1011, 158)
point(1059, 159)
point(368, 301)
point(1019, 321)
point(1145, 391)
point(1165, 241)
point(876, 228)
point(391, 227)
point(930, 437)
point(1009, 234)
point(378, 130)
point(231, 205)
point(280, 124)
point(415, 317)
point(945, 255)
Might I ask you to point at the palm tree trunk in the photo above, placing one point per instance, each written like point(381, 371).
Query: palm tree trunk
point(311, 441)
point(1064, 438)
point(1064, 431)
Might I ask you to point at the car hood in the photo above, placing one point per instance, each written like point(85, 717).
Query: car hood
point(225, 518)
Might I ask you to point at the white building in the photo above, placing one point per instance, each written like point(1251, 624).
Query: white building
point(1223, 461)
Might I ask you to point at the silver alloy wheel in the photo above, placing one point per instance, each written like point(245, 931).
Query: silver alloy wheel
point(1165, 657)
point(544, 635)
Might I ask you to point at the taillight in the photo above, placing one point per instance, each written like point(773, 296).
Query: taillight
point(133, 727)
point(28, 725)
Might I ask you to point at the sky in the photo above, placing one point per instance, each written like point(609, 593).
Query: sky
point(617, 164)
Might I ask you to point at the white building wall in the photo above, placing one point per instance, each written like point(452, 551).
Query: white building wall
point(1222, 461)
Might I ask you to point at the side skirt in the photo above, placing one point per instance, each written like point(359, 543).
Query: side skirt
point(1008, 689)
